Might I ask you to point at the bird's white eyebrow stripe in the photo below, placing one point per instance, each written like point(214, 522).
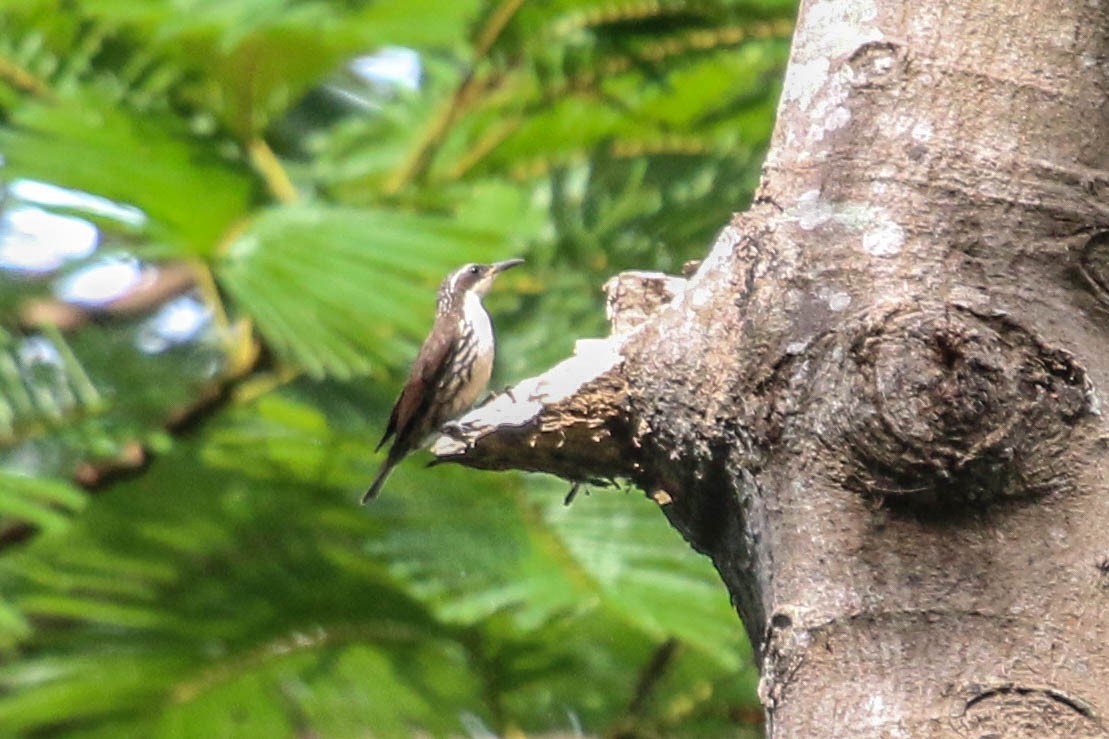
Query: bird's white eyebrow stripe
point(454, 278)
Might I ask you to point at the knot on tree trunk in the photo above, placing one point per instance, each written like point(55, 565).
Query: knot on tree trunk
point(994, 709)
point(956, 405)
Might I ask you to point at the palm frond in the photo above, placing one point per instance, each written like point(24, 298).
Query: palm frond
point(233, 588)
point(43, 386)
point(335, 290)
point(38, 502)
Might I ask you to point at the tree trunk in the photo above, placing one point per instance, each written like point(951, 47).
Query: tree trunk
point(875, 405)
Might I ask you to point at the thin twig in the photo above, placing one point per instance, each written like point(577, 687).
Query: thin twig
point(652, 674)
point(273, 173)
point(459, 100)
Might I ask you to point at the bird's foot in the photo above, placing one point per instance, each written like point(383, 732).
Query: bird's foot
point(507, 391)
point(453, 429)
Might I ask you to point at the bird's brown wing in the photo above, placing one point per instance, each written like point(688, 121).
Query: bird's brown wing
point(419, 390)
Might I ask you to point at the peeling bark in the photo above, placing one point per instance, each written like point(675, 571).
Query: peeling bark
point(876, 403)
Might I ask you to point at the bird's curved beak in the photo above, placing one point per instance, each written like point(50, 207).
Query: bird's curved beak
point(498, 267)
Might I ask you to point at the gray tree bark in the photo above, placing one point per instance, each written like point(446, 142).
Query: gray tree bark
point(875, 405)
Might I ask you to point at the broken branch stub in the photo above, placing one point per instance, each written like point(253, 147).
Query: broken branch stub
point(571, 420)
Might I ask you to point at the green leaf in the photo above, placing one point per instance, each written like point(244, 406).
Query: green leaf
point(161, 645)
point(646, 573)
point(607, 551)
point(79, 687)
point(88, 141)
point(40, 502)
point(43, 386)
point(247, 61)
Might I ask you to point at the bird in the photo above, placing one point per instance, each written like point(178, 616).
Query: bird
point(451, 369)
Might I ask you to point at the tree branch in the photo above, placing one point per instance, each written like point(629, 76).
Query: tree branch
point(572, 420)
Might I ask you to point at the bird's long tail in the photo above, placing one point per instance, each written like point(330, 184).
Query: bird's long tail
point(382, 475)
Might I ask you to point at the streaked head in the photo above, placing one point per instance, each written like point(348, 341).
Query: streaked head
point(475, 278)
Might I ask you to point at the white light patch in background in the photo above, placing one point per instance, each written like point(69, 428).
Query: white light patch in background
point(177, 322)
point(101, 282)
point(38, 350)
point(394, 66)
point(44, 193)
point(37, 241)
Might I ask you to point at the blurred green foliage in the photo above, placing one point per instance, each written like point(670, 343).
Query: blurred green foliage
point(232, 586)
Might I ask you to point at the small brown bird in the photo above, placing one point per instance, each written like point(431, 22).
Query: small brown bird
point(452, 368)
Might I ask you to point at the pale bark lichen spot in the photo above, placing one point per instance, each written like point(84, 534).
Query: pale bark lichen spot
point(883, 64)
point(881, 236)
point(922, 131)
point(796, 347)
point(820, 79)
point(838, 118)
point(722, 249)
point(838, 301)
point(842, 25)
point(884, 240)
point(810, 210)
point(897, 125)
point(701, 296)
point(804, 81)
point(878, 714)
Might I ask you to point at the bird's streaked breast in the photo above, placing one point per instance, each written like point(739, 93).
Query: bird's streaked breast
point(474, 357)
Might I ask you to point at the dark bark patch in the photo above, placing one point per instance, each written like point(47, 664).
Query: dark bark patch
point(782, 651)
point(708, 522)
point(781, 621)
point(1093, 263)
point(704, 505)
point(950, 405)
point(1103, 572)
point(876, 63)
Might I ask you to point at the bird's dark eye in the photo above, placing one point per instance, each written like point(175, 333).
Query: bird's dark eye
point(474, 269)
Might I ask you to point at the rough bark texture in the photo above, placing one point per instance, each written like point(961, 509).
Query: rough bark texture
point(875, 405)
